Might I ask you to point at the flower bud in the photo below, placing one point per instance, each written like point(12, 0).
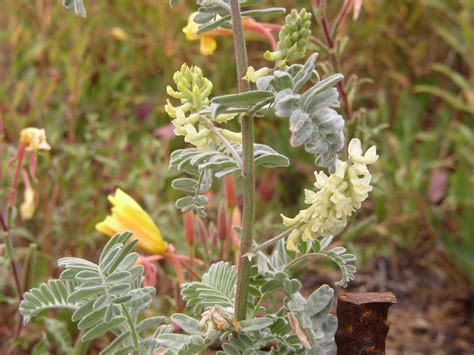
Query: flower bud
point(189, 227)
point(203, 234)
point(293, 38)
point(222, 221)
point(28, 207)
point(229, 190)
point(235, 221)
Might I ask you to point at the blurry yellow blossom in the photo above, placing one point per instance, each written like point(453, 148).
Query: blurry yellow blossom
point(338, 196)
point(208, 43)
point(128, 215)
point(118, 34)
point(28, 207)
point(34, 139)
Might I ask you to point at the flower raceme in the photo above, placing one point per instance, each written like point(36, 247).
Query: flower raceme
point(338, 196)
point(128, 215)
point(197, 128)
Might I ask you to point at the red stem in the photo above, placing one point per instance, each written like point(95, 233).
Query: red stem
point(340, 85)
point(19, 157)
point(342, 14)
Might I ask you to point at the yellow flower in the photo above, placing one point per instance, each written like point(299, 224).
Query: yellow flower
point(128, 215)
point(34, 139)
point(208, 45)
point(252, 75)
point(118, 34)
point(208, 42)
point(27, 208)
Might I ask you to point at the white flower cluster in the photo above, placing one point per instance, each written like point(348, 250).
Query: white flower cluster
point(193, 91)
point(337, 197)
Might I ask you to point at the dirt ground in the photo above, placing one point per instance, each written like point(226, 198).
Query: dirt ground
point(435, 309)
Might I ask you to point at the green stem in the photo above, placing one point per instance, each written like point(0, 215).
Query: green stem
point(273, 240)
point(228, 145)
point(248, 170)
point(259, 303)
point(81, 347)
point(133, 331)
point(301, 258)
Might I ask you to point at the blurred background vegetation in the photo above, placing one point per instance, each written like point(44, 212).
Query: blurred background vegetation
point(98, 88)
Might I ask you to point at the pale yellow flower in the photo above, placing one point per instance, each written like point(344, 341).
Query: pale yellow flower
point(118, 34)
point(337, 197)
point(128, 215)
point(34, 139)
point(252, 75)
point(356, 155)
point(28, 207)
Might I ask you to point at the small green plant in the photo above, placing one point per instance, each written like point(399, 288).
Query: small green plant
point(229, 303)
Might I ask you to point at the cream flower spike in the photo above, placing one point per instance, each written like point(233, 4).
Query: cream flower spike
point(336, 198)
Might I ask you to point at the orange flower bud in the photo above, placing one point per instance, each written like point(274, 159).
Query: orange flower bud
point(222, 219)
point(203, 234)
point(189, 227)
point(229, 190)
point(235, 221)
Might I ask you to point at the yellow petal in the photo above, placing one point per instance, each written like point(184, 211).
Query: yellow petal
point(28, 207)
point(208, 45)
point(191, 28)
point(128, 215)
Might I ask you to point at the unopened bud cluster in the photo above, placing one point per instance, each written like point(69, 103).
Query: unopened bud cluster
point(338, 196)
point(193, 90)
point(217, 318)
point(293, 38)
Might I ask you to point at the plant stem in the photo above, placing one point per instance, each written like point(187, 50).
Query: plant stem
point(133, 331)
point(80, 348)
point(329, 37)
point(16, 275)
point(273, 240)
point(248, 170)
